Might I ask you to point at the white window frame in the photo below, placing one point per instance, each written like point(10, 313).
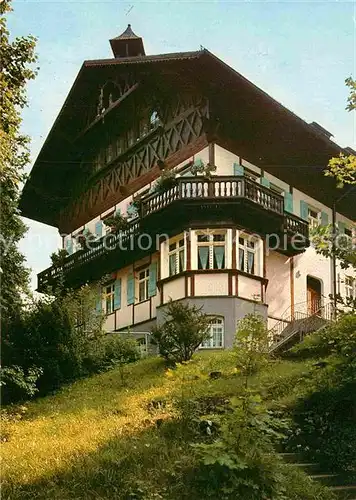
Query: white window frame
point(313, 221)
point(210, 243)
point(109, 298)
point(217, 323)
point(247, 248)
point(176, 252)
point(350, 287)
point(143, 277)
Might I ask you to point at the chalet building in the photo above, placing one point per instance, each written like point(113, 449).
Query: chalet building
point(229, 231)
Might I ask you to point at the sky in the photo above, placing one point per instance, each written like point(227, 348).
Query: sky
point(297, 51)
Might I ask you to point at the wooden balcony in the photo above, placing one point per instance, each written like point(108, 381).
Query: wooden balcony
point(192, 202)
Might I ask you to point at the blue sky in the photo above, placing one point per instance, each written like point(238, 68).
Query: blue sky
point(299, 52)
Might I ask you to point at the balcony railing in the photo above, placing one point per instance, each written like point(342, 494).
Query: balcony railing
point(232, 188)
point(189, 189)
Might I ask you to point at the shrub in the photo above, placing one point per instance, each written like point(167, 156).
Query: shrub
point(184, 329)
point(110, 351)
point(251, 345)
point(325, 424)
point(242, 463)
point(325, 417)
point(337, 338)
point(16, 384)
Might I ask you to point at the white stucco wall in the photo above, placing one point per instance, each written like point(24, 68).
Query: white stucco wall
point(211, 284)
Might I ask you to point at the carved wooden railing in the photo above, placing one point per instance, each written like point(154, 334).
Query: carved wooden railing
point(189, 188)
point(215, 188)
point(94, 250)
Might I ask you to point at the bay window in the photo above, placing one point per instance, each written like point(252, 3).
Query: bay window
point(211, 249)
point(216, 334)
point(176, 257)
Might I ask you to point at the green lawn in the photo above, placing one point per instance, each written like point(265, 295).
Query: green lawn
point(98, 438)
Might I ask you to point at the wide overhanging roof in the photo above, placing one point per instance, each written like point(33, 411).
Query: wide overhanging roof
point(282, 142)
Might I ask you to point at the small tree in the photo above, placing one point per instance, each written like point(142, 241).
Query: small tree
point(251, 345)
point(184, 329)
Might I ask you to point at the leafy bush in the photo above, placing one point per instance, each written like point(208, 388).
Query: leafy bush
point(110, 351)
point(337, 338)
point(325, 416)
point(184, 329)
point(16, 384)
point(251, 345)
point(242, 462)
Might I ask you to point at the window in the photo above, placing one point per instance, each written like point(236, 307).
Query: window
point(248, 254)
point(249, 174)
point(313, 218)
point(350, 287)
point(109, 294)
point(276, 189)
point(211, 250)
point(143, 279)
point(216, 338)
point(176, 257)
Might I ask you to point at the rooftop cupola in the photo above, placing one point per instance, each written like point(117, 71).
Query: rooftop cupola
point(127, 44)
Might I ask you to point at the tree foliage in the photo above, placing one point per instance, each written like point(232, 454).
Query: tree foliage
point(184, 329)
point(343, 167)
point(16, 63)
point(251, 345)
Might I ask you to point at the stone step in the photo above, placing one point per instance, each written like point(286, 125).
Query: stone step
point(346, 492)
point(329, 479)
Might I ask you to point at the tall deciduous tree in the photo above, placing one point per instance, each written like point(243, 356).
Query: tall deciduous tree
point(16, 69)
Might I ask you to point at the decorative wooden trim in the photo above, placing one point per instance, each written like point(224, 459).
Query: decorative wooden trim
point(234, 243)
point(188, 242)
point(212, 153)
point(236, 285)
point(264, 249)
point(180, 139)
point(220, 297)
point(233, 272)
point(230, 284)
point(192, 285)
point(186, 285)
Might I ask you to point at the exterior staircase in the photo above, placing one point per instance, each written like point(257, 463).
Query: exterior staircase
point(292, 328)
point(342, 485)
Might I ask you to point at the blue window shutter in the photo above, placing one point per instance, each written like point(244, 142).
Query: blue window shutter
point(265, 182)
point(99, 228)
point(117, 211)
point(69, 246)
point(238, 169)
point(303, 210)
point(130, 289)
point(152, 282)
point(341, 227)
point(98, 305)
point(288, 202)
point(117, 294)
point(324, 219)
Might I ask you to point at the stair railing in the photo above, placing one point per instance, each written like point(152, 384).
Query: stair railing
point(325, 311)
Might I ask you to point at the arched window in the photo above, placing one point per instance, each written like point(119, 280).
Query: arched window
point(216, 331)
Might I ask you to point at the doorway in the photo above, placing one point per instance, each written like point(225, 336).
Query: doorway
point(313, 295)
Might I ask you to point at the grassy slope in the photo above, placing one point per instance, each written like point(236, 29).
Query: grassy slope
point(98, 439)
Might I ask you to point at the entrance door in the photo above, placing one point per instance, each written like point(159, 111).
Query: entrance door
point(313, 295)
